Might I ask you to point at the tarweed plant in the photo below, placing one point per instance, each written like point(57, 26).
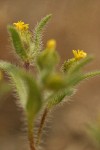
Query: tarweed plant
point(47, 86)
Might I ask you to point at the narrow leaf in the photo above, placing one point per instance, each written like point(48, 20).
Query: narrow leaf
point(73, 79)
point(17, 43)
point(26, 88)
point(90, 75)
point(38, 32)
point(78, 65)
point(57, 97)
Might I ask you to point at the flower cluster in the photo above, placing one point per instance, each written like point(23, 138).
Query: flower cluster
point(51, 44)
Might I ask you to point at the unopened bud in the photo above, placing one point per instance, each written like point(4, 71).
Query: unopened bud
point(51, 44)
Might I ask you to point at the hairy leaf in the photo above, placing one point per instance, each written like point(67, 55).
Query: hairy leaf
point(17, 43)
point(57, 97)
point(90, 75)
point(38, 32)
point(26, 88)
point(78, 65)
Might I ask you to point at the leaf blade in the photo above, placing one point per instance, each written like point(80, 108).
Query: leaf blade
point(17, 43)
point(38, 32)
point(26, 88)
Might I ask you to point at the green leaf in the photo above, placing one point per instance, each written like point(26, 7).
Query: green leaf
point(57, 97)
point(73, 79)
point(90, 75)
point(17, 43)
point(38, 32)
point(78, 65)
point(26, 88)
point(67, 64)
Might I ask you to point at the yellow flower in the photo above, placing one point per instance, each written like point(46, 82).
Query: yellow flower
point(79, 54)
point(51, 44)
point(21, 26)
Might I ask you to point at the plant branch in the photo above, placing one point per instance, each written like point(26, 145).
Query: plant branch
point(26, 65)
point(31, 137)
point(42, 122)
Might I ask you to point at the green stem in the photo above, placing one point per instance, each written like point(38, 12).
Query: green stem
point(31, 137)
point(42, 122)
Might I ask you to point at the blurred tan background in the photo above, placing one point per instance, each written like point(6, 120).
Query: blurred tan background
point(75, 25)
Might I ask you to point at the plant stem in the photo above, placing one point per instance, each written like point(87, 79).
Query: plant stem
point(42, 122)
point(26, 65)
point(31, 137)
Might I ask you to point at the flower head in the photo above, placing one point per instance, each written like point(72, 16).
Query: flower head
point(79, 54)
point(21, 26)
point(51, 44)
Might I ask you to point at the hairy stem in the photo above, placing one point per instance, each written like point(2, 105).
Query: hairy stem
point(42, 122)
point(31, 137)
point(26, 65)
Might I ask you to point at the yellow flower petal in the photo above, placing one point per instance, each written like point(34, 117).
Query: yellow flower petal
point(21, 26)
point(79, 54)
